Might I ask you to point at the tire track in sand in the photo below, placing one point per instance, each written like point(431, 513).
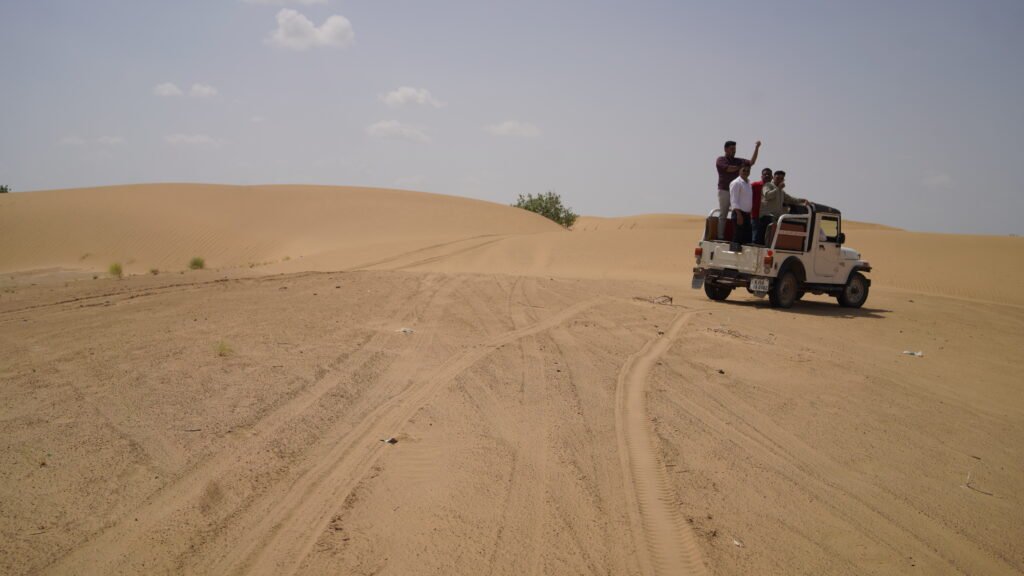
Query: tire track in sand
point(881, 515)
point(123, 540)
point(664, 542)
point(518, 543)
point(391, 261)
point(283, 538)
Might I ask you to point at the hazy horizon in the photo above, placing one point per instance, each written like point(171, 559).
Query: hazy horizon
point(903, 114)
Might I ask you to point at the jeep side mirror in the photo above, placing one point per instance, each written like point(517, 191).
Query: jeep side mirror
point(841, 238)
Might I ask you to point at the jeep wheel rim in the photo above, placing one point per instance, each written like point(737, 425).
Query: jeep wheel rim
point(788, 288)
point(854, 290)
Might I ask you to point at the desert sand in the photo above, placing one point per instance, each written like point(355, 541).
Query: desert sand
point(551, 413)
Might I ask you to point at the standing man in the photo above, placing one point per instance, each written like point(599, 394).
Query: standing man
point(741, 199)
point(728, 167)
point(755, 212)
point(774, 202)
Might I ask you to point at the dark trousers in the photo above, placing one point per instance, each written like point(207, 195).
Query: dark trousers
point(761, 229)
point(740, 232)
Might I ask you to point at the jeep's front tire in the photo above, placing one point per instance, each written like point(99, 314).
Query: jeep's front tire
point(785, 291)
point(717, 292)
point(855, 293)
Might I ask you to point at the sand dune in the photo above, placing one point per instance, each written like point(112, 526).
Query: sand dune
point(552, 416)
point(164, 225)
point(275, 229)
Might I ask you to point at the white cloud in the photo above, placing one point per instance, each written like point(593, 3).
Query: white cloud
point(202, 91)
point(167, 89)
point(409, 95)
point(296, 32)
point(198, 140)
point(283, 2)
point(109, 140)
point(513, 128)
point(198, 90)
point(395, 129)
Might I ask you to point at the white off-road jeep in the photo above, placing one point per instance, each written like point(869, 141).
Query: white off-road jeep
point(802, 253)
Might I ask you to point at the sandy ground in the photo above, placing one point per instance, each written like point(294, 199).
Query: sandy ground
point(550, 417)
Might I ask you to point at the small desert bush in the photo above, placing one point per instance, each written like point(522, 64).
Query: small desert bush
point(116, 270)
point(5, 189)
point(197, 263)
point(224, 349)
point(154, 271)
point(548, 205)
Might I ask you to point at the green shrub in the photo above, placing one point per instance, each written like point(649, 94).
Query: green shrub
point(197, 263)
point(5, 189)
point(548, 205)
point(154, 271)
point(116, 270)
point(224, 349)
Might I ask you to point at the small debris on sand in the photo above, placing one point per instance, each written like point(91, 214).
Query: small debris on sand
point(660, 300)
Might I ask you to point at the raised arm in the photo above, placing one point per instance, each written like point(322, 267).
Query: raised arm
point(757, 149)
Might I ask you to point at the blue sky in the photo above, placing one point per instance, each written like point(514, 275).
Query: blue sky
point(906, 113)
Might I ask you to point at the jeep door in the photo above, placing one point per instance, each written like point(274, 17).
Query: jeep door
point(827, 253)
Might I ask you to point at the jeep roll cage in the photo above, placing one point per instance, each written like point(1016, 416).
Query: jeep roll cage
point(807, 219)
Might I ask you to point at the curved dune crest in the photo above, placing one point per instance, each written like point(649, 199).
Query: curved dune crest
point(281, 229)
point(164, 225)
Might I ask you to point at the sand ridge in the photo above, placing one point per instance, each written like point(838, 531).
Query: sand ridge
point(276, 229)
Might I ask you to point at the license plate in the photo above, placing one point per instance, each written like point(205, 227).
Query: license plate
point(698, 281)
point(759, 285)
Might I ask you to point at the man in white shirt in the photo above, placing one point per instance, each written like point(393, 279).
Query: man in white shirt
point(741, 201)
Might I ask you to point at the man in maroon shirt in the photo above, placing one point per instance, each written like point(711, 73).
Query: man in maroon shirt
point(755, 213)
point(728, 169)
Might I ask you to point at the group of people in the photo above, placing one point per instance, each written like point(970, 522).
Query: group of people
point(754, 205)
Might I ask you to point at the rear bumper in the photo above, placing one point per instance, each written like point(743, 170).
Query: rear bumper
point(726, 276)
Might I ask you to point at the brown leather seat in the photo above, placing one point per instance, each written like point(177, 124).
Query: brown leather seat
point(792, 236)
point(711, 226)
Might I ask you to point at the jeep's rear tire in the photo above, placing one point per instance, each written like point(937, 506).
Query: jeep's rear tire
point(855, 293)
point(785, 290)
point(717, 292)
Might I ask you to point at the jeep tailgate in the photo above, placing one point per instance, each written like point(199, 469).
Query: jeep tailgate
point(718, 255)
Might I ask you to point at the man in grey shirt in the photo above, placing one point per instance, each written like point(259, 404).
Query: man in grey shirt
point(774, 202)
